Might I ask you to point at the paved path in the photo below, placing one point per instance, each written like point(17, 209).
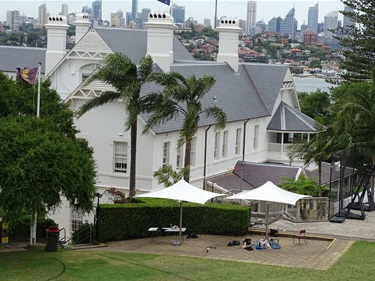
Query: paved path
point(318, 254)
point(349, 229)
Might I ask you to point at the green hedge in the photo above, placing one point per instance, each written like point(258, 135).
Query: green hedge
point(21, 230)
point(132, 220)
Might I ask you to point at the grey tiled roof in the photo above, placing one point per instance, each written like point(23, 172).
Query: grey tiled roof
point(133, 43)
point(231, 90)
point(267, 79)
point(257, 174)
point(12, 57)
point(287, 118)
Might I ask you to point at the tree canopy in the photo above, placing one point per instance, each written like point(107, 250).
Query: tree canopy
point(358, 39)
point(40, 158)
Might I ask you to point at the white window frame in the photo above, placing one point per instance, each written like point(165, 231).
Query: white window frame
point(166, 153)
point(179, 157)
point(237, 148)
point(217, 145)
point(224, 149)
point(256, 137)
point(120, 157)
point(76, 219)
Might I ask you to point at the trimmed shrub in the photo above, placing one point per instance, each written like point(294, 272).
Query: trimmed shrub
point(132, 220)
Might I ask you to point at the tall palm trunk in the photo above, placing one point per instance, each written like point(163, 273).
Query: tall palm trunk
point(133, 158)
point(187, 159)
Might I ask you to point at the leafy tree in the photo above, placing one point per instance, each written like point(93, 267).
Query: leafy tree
point(316, 150)
point(167, 176)
point(182, 96)
point(354, 114)
point(315, 63)
point(119, 71)
point(315, 105)
point(358, 40)
point(304, 185)
point(40, 158)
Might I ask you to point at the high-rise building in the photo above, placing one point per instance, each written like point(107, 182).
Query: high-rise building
point(42, 14)
point(117, 19)
point(274, 24)
point(97, 11)
point(347, 20)
point(288, 25)
point(330, 22)
point(134, 9)
point(251, 16)
point(313, 17)
point(207, 22)
point(144, 17)
point(64, 10)
point(13, 20)
point(178, 13)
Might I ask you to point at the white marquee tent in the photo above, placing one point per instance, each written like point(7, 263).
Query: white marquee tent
point(182, 191)
point(269, 192)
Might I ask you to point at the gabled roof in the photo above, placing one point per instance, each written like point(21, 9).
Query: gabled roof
point(267, 80)
point(133, 43)
point(231, 91)
point(12, 57)
point(286, 118)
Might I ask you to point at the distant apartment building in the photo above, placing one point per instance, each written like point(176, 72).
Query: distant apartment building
point(312, 19)
point(242, 25)
point(274, 24)
point(207, 22)
point(288, 25)
point(310, 38)
point(260, 27)
point(330, 23)
point(348, 21)
point(178, 13)
point(117, 19)
point(144, 17)
point(42, 14)
point(97, 13)
point(64, 10)
point(251, 16)
point(13, 20)
point(134, 12)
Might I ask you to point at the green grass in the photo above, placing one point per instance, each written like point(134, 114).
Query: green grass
point(36, 264)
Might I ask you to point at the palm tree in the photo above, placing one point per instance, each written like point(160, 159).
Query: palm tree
point(182, 95)
point(119, 71)
point(316, 150)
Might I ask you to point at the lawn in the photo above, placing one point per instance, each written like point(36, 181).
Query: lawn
point(36, 264)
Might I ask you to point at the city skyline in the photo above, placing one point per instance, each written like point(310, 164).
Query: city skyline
point(199, 10)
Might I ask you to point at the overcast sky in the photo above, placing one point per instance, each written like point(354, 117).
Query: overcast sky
point(266, 9)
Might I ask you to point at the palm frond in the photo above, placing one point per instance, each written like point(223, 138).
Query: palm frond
point(219, 116)
point(101, 100)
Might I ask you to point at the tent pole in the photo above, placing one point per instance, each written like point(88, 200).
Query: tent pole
point(180, 221)
point(267, 216)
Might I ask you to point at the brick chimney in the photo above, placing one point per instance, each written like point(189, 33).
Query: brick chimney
point(160, 39)
point(56, 41)
point(228, 42)
point(82, 24)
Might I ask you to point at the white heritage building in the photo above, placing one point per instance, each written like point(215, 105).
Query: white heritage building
point(260, 101)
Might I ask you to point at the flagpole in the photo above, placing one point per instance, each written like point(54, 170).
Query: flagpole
point(38, 102)
point(35, 215)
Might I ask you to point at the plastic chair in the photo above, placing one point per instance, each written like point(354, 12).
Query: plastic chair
point(301, 235)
